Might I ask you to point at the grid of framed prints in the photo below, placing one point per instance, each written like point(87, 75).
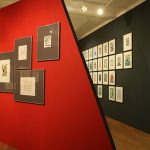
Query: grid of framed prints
point(103, 61)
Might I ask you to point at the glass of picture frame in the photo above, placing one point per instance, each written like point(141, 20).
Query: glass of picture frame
point(105, 77)
point(90, 53)
point(112, 93)
point(127, 59)
point(100, 64)
point(127, 42)
point(105, 63)
point(95, 55)
point(100, 91)
point(119, 94)
point(100, 77)
point(119, 61)
point(105, 49)
point(48, 42)
point(94, 64)
point(94, 77)
point(112, 48)
point(23, 53)
point(112, 77)
point(91, 65)
point(112, 62)
point(29, 86)
point(6, 72)
point(100, 50)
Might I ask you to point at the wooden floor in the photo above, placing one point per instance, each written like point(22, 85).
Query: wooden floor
point(124, 136)
point(128, 138)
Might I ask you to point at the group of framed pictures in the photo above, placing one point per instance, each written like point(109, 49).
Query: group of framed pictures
point(16, 74)
point(102, 62)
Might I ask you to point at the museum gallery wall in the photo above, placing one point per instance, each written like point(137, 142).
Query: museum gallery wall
point(57, 112)
point(117, 58)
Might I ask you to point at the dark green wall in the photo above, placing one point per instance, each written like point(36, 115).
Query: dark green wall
point(135, 110)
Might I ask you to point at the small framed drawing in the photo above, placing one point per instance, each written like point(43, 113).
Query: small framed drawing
point(105, 49)
point(100, 64)
point(100, 77)
point(94, 52)
point(127, 42)
point(105, 77)
point(86, 55)
point(112, 62)
point(112, 78)
point(91, 74)
point(91, 65)
point(119, 94)
point(87, 64)
point(112, 93)
point(29, 86)
point(90, 53)
point(100, 50)
point(119, 61)
point(112, 47)
point(6, 72)
point(128, 60)
point(94, 77)
point(23, 53)
point(100, 91)
point(105, 63)
point(48, 42)
point(95, 65)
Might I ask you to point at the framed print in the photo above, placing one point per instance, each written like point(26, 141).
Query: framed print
point(127, 42)
point(119, 94)
point(105, 63)
point(100, 77)
point(48, 42)
point(90, 53)
point(6, 72)
point(100, 64)
point(128, 60)
point(112, 62)
point(100, 50)
point(105, 77)
point(87, 64)
point(112, 48)
point(23, 53)
point(94, 77)
point(112, 77)
point(119, 61)
point(29, 86)
point(91, 74)
point(94, 52)
point(95, 65)
point(86, 55)
point(105, 49)
point(112, 93)
point(100, 91)
point(91, 65)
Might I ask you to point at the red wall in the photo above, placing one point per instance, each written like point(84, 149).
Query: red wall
point(70, 119)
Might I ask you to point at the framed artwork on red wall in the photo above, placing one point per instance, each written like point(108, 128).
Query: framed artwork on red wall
point(23, 53)
point(48, 42)
point(6, 72)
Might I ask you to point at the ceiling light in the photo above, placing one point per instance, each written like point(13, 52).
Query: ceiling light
point(84, 9)
point(100, 11)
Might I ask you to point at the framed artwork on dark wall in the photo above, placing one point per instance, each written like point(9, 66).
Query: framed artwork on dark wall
point(23, 53)
point(112, 46)
point(112, 93)
point(119, 61)
point(128, 60)
point(6, 72)
point(100, 91)
point(29, 86)
point(127, 42)
point(119, 94)
point(48, 42)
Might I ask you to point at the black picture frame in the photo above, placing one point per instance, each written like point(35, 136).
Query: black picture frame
point(26, 61)
point(7, 86)
point(48, 42)
point(23, 75)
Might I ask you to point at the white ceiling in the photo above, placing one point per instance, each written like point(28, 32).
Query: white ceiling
point(88, 22)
